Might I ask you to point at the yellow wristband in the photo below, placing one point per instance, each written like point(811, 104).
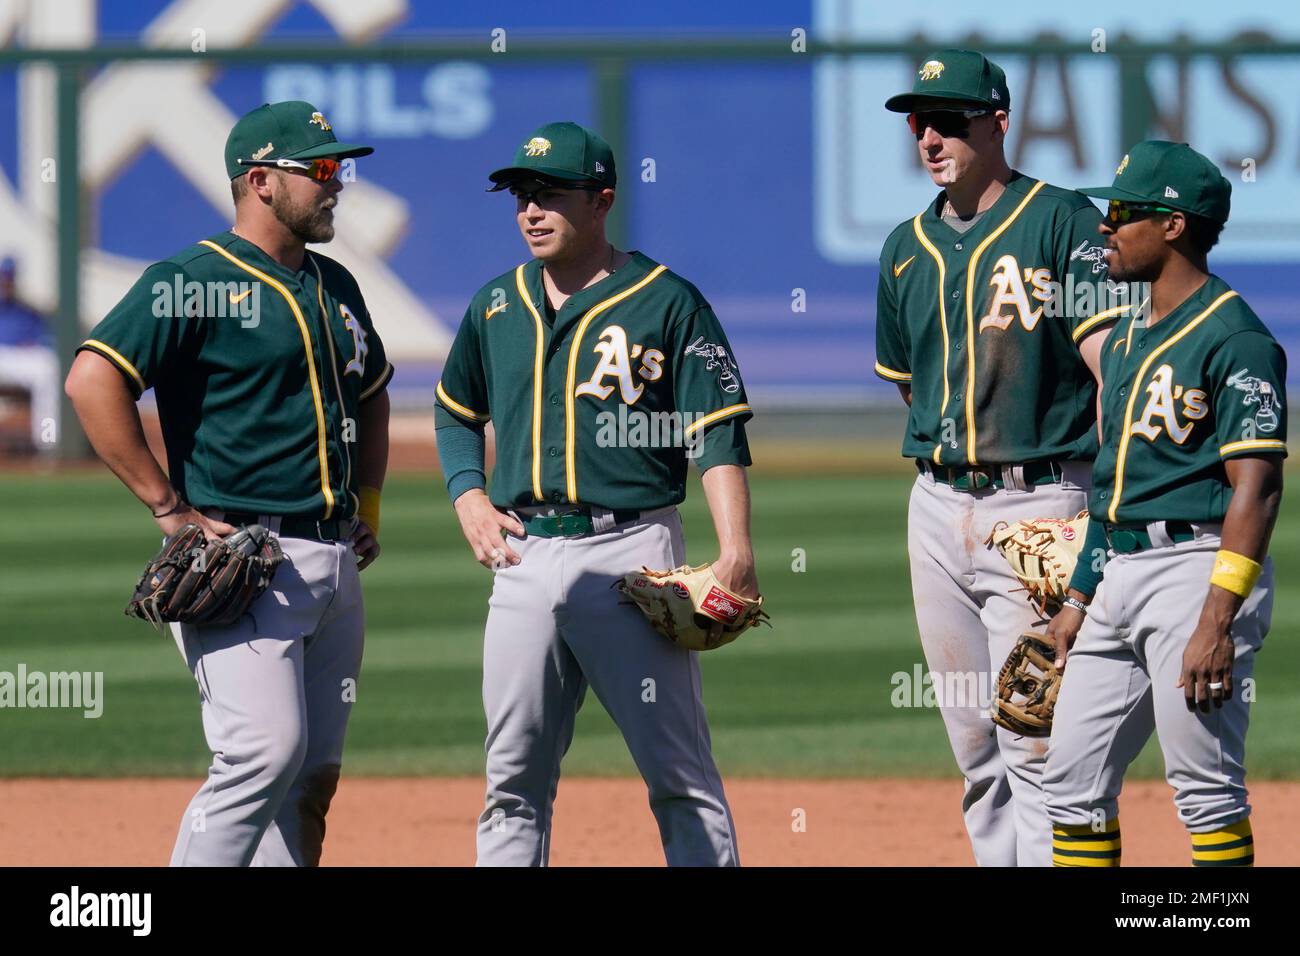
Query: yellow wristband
point(368, 509)
point(1235, 572)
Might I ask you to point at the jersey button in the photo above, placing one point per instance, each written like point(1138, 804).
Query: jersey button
point(556, 497)
point(555, 399)
point(956, 294)
point(1123, 391)
point(553, 452)
point(957, 247)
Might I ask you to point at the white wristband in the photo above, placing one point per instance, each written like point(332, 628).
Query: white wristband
point(1076, 604)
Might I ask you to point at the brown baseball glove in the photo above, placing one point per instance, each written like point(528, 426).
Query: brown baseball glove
point(195, 581)
point(1027, 687)
point(1042, 552)
point(689, 607)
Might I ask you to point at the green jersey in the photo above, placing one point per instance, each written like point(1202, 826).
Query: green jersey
point(603, 402)
point(984, 326)
point(1204, 384)
point(258, 370)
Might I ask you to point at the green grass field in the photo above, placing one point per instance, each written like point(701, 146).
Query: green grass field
point(809, 697)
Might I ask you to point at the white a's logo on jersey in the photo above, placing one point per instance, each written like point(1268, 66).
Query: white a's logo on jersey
point(357, 364)
point(1162, 393)
point(1009, 291)
point(616, 360)
point(1257, 392)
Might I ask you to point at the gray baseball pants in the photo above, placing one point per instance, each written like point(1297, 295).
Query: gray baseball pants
point(554, 627)
point(970, 609)
point(1121, 684)
point(276, 689)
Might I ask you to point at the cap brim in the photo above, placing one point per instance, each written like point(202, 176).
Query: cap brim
point(337, 150)
point(513, 174)
point(1114, 192)
point(910, 102)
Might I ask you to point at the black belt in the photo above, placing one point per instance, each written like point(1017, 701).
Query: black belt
point(990, 476)
point(295, 526)
point(570, 524)
point(1126, 539)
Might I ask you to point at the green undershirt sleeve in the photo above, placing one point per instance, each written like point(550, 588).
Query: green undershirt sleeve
point(461, 450)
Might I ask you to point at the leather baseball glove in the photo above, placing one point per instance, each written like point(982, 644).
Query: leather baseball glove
point(195, 581)
point(1042, 552)
point(1027, 687)
point(689, 607)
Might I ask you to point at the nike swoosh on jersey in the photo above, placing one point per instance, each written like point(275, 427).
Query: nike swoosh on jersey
point(898, 270)
point(236, 299)
point(487, 314)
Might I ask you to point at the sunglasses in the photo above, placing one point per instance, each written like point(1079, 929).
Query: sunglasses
point(321, 170)
point(534, 195)
point(947, 123)
point(1120, 211)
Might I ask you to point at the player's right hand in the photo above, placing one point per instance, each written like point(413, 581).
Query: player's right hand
point(212, 529)
point(485, 529)
point(1062, 630)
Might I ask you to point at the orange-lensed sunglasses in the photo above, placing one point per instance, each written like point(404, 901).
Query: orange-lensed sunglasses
point(321, 170)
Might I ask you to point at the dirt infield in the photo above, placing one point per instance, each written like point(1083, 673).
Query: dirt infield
point(429, 822)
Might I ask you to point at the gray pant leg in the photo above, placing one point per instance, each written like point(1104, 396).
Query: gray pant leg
point(1104, 716)
point(942, 550)
point(255, 711)
point(1204, 753)
point(532, 689)
point(331, 668)
point(254, 719)
point(651, 689)
point(1006, 613)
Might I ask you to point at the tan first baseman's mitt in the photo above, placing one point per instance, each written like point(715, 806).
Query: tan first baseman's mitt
point(1042, 552)
point(689, 607)
point(1027, 687)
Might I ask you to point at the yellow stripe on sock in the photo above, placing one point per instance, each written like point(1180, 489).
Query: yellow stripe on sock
point(1229, 834)
point(1109, 861)
point(1091, 846)
point(1236, 853)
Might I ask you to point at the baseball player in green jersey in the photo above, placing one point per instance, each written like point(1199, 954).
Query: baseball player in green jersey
point(602, 373)
point(1185, 494)
point(989, 320)
point(270, 382)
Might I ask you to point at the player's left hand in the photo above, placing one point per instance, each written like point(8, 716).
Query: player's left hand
point(736, 573)
point(1207, 666)
point(365, 544)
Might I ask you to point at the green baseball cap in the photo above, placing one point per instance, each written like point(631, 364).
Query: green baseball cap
point(1161, 173)
point(563, 152)
point(293, 129)
point(954, 77)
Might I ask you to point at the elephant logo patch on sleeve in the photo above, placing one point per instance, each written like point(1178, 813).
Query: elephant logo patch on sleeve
point(717, 359)
point(1257, 392)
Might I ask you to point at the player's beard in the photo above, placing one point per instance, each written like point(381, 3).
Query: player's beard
point(307, 221)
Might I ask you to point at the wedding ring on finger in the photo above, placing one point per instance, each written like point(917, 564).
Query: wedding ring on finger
point(1216, 686)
